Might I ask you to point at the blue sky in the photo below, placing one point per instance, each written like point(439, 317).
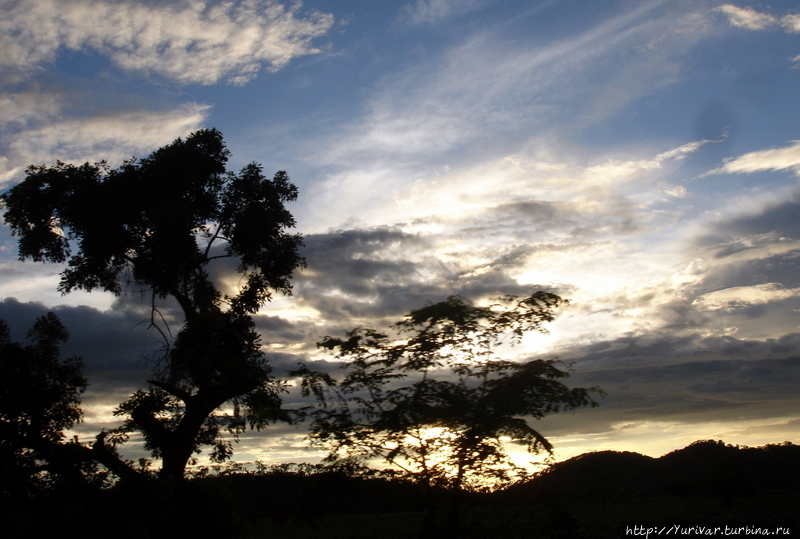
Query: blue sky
point(639, 158)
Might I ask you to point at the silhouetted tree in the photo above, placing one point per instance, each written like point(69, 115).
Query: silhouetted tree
point(162, 225)
point(39, 400)
point(431, 398)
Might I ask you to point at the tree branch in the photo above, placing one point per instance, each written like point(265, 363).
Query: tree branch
point(184, 395)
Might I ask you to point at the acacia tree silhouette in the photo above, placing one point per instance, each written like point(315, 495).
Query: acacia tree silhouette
point(159, 225)
point(432, 399)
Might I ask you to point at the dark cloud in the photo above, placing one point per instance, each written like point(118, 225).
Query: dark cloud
point(783, 220)
point(776, 222)
point(375, 276)
point(529, 219)
point(116, 348)
point(689, 379)
point(370, 273)
point(535, 221)
point(780, 267)
point(693, 392)
point(351, 260)
point(665, 348)
point(108, 341)
point(752, 262)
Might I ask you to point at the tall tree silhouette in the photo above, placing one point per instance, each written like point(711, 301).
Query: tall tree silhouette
point(163, 224)
point(432, 398)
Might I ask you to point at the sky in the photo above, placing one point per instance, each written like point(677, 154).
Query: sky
point(640, 158)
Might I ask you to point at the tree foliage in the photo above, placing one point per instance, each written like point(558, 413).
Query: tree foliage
point(39, 400)
point(432, 398)
point(156, 222)
point(166, 225)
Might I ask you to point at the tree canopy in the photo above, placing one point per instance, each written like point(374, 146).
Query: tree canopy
point(39, 400)
point(432, 398)
point(159, 222)
point(164, 225)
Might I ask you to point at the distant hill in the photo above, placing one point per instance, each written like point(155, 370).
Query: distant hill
point(708, 479)
point(703, 467)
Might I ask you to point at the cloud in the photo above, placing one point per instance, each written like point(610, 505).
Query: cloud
point(424, 12)
point(190, 42)
point(486, 89)
point(370, 274)
point(115, 346)
point(541, 180)
point(767, 226)
point(536, 218)
point(458, 177)
point(482, 122)
point(118, 352)
point(739, 275)
point(19, 109)
point(373, 277)
point(660, 385)
point(787, 158)
point(791, 23)
point(734, 298)
point(747, 17)
point(750, 19)
point(103, 137)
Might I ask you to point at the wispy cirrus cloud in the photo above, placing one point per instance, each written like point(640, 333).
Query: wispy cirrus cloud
point(481, 85)
point(433, 11)
point(482, 93)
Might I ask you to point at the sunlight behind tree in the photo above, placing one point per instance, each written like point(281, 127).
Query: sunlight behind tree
point(433, 401)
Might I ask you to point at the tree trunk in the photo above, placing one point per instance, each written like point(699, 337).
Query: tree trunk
point(181, 443)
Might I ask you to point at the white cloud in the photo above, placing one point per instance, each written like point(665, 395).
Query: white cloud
point(615, 172)
point(428, 200)
point(113, 138)
point(678, 191)
point(31, 105)
point(732, 299)
point(791, 23)
point(787, 158)
point(747, 17)
point(188, 41)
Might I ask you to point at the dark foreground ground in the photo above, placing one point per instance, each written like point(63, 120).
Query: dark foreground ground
point(706, 489)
